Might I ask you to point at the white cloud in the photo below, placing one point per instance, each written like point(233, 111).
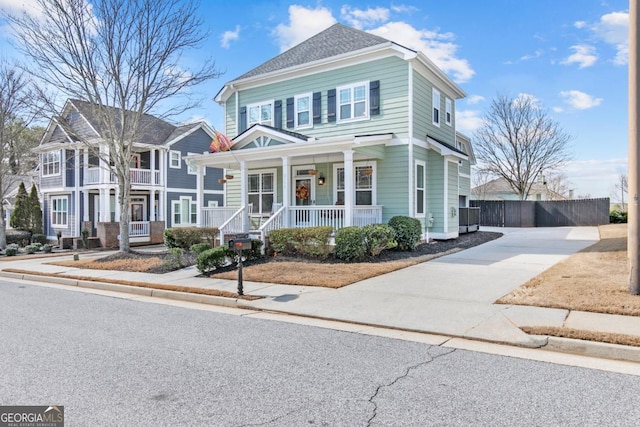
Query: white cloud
point(595, 177)
point(580, 100)
point(402, 8)
point(360, 19)
point(438, 47)
point(468, 121)
point(558, 109)
point(475, 99)
point(580, 24)
point(613, 29)
point(303, 23)
point(527, 97)
point(584, 55)
point(229, 36)
point(537, 54)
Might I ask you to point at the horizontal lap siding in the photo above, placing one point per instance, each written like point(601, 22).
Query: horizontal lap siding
point(230, 124)
point(423, 116)
point(392, 74)
point(464, 187)
point(435, 190)
point(197, 143)
point(392, 183)
point(452, 201)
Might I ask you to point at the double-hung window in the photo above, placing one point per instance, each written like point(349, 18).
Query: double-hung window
point(59, 211)
point(262, 191)
point(303, 110)
point(447, 111)
point(436, 107)
point(261, 113)
point(353, 102)
point(364, 184)
point(174, 159)
point(51, 163)
point(184, 211)
point(420, 188)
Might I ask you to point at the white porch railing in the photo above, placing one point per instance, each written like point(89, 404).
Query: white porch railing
point(138, 176)
point(138, 228)
point(274, 222)
point(216, 216)
point(333, 216)
point(236, 223)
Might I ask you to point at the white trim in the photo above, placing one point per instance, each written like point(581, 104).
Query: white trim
point(274, 171)
point(436, 102)
point(424, 188)
point(178, 202)
point(311, 178)
point(297, 125)
point(191, 190)
point(66, 199)
point(260, 104)
point(445, 193)
point(351, 87)
point(444, 236)
point(411, 153)
point(179, 159)
point(374, 188)
point(448, 111)
point(46, 175)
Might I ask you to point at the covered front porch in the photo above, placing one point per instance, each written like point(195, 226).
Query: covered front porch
point(298, 182)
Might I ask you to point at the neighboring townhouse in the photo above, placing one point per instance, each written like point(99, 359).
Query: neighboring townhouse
point(346, 128)
point(499, 189)
point(79, 187)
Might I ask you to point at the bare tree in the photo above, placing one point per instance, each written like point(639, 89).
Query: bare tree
point(518, 140)
point(558, 186)
point(16, 113)
point(621, 189)
point(123, 57)
point(481, 180)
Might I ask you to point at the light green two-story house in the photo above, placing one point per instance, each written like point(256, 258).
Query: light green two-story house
point(346, 128)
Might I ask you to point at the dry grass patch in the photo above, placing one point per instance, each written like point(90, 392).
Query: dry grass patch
point(595, 279)
point(139, 265)
point(607, 337)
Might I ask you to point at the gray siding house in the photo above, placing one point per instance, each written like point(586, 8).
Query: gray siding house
point(346, 128)
point(79, 187)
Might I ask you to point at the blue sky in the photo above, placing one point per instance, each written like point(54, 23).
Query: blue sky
point(571, 55)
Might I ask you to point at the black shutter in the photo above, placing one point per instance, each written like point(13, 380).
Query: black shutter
point(374, 97)
point(277, 114)
point(331, 105)
point(316, 108)
point(243, 119)
point(290, 119)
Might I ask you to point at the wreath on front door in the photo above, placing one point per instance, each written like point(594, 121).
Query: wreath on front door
point(302, 192)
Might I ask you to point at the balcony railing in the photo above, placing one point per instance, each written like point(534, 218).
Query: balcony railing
point(138, 177)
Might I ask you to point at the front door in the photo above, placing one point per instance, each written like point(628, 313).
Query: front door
point(304, 195)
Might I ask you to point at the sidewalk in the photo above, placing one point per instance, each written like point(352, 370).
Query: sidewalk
point(452, 295)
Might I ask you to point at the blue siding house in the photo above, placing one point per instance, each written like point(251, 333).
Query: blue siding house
point(79, 187)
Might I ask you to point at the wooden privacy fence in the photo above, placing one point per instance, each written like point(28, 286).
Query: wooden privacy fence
point(555, 213)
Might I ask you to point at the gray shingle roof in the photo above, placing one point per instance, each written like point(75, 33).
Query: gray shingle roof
point(335, 40)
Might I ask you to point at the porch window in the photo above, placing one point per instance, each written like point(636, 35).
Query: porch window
point(51, 163)
point(261, 113)
point(303, 110)
point(420, 188)
point(262, 191)
point(59, 211)
point(352, 102)
point(184, 211)
point(364, 184)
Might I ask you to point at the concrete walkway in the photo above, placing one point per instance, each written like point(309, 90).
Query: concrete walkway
point(453, 295)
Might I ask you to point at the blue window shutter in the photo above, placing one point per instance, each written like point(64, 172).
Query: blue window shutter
point(374, 97)
point(317, 107)
point(290, 119)
point(277, 114)
point(243, 119)
point(331, 105)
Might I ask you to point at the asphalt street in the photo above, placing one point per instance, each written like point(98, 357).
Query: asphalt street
point(115, 361)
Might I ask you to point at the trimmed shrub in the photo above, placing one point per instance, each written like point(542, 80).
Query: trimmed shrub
point(211, 259)
point(310, 241)
point(47, 248)
point(31, 249)
point(349, 244)
point(175, 260)
point(11, 250)
point(182, 237)
point(209, 234)
point(377, 238)
point(198, 248)
point(617, 217)
point(39, 238)
point(407, 232)
point(18, 237)
point(256, 249)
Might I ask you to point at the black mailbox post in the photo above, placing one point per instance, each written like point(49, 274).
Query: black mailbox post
point(238, 245)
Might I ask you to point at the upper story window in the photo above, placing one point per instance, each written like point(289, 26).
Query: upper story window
point(261, 113)
point(436, 107)
point(353, 102)
point(448, 106)
point(51, 163)
point(303, 110)
point(174, 159)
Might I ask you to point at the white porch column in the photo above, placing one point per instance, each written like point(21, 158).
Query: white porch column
point(76, 181)
point(85, 203)
point(85, 162)
point(152, 205)
point(286, 191)
point(117, 203)
point(244, 197)
point(199, 194)
point(349, 187)
point(152, 165)
point(104, 205)
point(162, 203)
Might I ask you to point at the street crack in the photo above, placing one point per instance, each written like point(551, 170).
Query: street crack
point(405, 374)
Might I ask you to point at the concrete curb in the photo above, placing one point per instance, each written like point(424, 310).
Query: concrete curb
point(593, 349)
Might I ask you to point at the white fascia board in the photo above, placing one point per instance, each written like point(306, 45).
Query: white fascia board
point(379, 51)
point(444, 82)
point(445, 151)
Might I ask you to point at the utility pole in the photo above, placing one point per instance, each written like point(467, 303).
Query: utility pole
point(634, 151)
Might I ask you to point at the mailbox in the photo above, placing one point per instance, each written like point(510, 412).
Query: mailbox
point(240, 244)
